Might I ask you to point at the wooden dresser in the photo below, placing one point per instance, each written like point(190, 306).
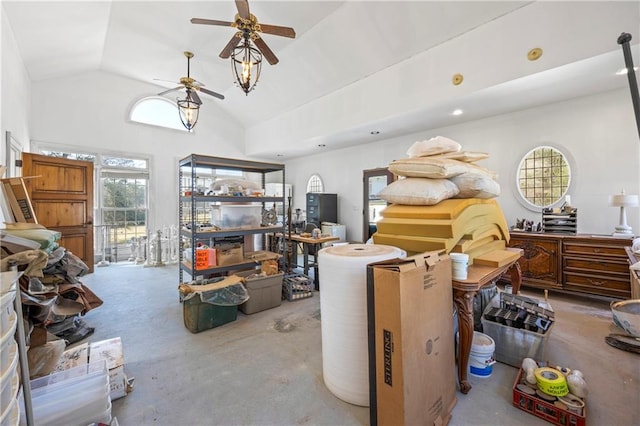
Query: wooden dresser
point(588, 264)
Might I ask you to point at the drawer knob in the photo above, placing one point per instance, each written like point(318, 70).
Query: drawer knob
point(598, 283)
point(596, 250)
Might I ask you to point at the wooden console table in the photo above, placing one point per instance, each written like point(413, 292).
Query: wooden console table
point(308, 242)
point(463, 294)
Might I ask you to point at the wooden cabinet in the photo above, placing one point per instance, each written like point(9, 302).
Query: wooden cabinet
point(539, 262)
point(587, 264)
point(597, 266)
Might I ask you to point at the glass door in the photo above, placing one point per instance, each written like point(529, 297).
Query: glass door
point(374, 180)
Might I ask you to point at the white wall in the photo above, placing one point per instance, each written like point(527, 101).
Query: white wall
point(91, 110)
point(15, 90)
point(597, 132)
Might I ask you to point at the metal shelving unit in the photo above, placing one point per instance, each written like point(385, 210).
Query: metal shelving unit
point(196, 201)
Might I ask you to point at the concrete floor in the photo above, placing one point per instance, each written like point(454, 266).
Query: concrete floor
point(266, 368)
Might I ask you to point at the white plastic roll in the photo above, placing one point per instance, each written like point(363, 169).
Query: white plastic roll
point(343, 308)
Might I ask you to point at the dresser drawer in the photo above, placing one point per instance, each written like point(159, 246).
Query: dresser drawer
point(597, 284)
point(571, 248)
point(596, 264)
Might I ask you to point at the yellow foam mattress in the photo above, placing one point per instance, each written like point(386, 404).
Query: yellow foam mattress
point(497, 258)
point(414, 243)
point(447, 209)
point(485, 248)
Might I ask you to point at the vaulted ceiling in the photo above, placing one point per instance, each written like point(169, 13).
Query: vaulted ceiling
point(346, 55)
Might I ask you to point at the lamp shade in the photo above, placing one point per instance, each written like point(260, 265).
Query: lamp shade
point(246, 64)
point(624, 200)
point(189, 110)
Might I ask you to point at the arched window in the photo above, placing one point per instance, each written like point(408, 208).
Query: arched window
point(314, 184)
point(157, 111)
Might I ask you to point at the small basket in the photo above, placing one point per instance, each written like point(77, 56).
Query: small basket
point(296, 287)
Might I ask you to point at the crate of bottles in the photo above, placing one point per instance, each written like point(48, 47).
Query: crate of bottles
point(296, 287)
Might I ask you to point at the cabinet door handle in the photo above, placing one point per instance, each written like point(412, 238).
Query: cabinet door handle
point(598, 283)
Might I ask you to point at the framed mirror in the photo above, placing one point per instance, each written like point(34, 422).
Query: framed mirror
point(374, 180)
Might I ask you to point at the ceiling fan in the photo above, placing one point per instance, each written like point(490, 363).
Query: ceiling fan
point(191, 86)
point(248, 27)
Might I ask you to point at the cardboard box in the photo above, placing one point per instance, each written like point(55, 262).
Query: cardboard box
point(74, 357)
point(412, 376)
point(15, 192)
point(111, 351)
point(229, 254)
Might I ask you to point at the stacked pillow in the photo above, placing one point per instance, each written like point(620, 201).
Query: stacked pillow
point(437, 169)
point(444, 201)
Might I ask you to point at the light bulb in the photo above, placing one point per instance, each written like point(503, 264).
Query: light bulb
point(246, 71)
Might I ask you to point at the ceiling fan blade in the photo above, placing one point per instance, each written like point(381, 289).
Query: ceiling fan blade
point(243, 9)
point(170, 90)
point(277, 30)
point(211, 22)
point(226, 52)
point(209, 92)
point(195, 97)
point(266, 52)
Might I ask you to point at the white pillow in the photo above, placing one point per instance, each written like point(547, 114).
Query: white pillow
point(435, 168)
point(418, 191)
point(472, 185)
point(433, 146)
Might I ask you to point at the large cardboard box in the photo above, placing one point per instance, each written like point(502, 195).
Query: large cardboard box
point(111, 351)
point(229, 254)
point(412, 375)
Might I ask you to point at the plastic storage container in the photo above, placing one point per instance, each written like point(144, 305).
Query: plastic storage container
point(7, 342)
point(234, 216)
point(265, 292)
point(199, 316)
point(89, 386)
point(6, 308)
point(11, 415)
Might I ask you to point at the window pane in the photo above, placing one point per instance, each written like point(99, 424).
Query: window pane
point(315, 184)
point(543, 176)
point(124, 162)
point(157, 112)
point(69, 155)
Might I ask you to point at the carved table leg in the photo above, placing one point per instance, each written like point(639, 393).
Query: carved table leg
point(515, 274)
point(464, 304)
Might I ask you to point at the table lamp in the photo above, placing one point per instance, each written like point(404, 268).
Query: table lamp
point(623, 200)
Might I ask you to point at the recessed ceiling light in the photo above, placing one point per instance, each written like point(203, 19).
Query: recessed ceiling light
point(623, 71)
point(457, 112)
point(375, 132)
point(321, 145)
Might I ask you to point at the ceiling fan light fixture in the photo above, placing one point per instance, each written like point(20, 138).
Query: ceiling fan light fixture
point(246, 64)
point(189, 111)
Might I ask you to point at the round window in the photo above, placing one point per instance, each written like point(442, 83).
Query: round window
point(543, 177)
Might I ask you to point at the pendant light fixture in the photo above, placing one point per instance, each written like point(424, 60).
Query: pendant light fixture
point(189, 108)
point(246, 63)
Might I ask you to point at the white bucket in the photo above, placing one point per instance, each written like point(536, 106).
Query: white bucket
point(459, 265)
point(481, 358)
